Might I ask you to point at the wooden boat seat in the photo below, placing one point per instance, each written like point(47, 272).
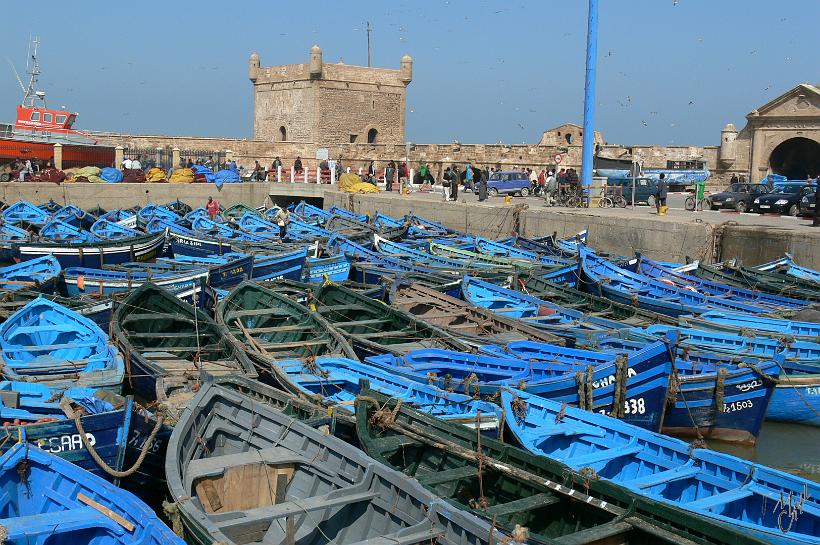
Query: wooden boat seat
point(379, 334)
point(529, 503)
point(336, 308)
point(607, 454)
point(159, 335)
point(44, 523)
point(418, 533)
point(295, 344)
point(670, 475)
point(49, 347)
point(234, 314)
point(394, 442)
point(455, 474)
point(597, 534)
point(720, 499)
point(279, 329)
point(373, 321)
point(28, 329)
point(135, 317)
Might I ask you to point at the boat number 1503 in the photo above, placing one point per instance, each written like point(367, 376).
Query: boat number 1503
point(738, 406)
point(632, 406)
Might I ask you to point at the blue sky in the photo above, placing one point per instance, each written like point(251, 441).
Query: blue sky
point(485, 71)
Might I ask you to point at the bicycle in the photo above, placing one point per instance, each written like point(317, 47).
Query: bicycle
point(691, 204)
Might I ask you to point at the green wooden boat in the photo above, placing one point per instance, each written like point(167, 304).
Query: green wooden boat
point(475, 257)
point(374, 328)
point(513, 488)
point(590, 304)
point(298, 291)
point(270, 327)
point(168, 344)
point(238, 210)
point(761, 281)
point(474, 325)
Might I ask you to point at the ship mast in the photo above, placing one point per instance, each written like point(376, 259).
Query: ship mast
point(31, 95)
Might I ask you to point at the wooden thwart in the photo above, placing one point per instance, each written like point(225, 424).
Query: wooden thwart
point(105, 511)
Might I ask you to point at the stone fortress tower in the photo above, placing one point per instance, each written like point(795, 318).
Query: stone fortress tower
point(326, 104)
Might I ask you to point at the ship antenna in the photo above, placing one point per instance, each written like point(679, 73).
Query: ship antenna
point(31, 94)
point(16, 75)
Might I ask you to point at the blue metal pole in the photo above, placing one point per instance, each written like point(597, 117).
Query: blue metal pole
point(589, 97)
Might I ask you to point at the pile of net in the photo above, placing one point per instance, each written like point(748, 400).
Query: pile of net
point(133, 176)
point(226, 177)
point(111, 175)
point(350, 183)
point(155, 175)
point(86, 174)
point(182, 176)
point(48, 175)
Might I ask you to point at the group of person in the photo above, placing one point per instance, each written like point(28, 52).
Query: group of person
point(26, 167)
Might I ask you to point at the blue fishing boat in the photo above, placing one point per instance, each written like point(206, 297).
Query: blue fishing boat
point(256, 225)
point(531, 310)
point(397, 250)
point(725, 402)
point(309, 212)
point(26, 402)
point(94, 254)
point(153, 211)
point(106, 282)
point(653, 269)
point(70, 506)
point(74, 215)
point(199, 212)
point(788, 267)
point(758, 326)
point(37, 275)
point(46, 343)
point(347, 214)
point(223, 231)
point(126, 218)
point(796, 400)
point(10, 233)
point(23, 213)
point(184, 241)
point(337, 381)
point(337, 244)
point(223, 271)
point(109, 230)
point(430, 227)
point(800, 356)
point(495, 248)
point(633, 388)
point(60, 231)
point(606, 279)
point(319, 269)
point(762, 502)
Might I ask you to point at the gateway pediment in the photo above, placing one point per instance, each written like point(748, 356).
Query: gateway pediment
point(802, 101)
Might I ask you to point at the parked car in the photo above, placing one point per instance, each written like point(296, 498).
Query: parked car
point(783, 199)
point(807, 204)
point(738, 196)
point(509, 183)
point(644, 189)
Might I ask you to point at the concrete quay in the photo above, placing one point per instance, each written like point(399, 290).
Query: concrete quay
point(709, 236)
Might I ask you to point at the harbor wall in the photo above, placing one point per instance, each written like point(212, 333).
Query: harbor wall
point(668, 238)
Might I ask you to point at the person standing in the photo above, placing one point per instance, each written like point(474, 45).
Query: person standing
point(742, 179)
point(455, 178)
point(126, 163)
point(212, 207)
point(661, 190)
point(551, 184)
point(389, 173)
point(340, 169)
point(371, 171)
point(482, 185)
point(297, 165)
point(445, 183)
point(815, 222)
point(733, 179)
point(404, 176)
point(135, 164)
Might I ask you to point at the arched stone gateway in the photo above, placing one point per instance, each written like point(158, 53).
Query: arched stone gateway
point(796, 158)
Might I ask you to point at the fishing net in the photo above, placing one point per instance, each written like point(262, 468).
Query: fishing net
point(182, 176)
point(155, 175)
point(350, 183)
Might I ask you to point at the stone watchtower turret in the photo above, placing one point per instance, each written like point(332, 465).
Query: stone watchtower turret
point(328, 104)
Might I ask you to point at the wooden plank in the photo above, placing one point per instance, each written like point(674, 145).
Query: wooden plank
point(106, 511)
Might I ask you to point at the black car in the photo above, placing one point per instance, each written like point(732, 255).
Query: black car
point(738, 196)
point(783, 199)
point(807, 204)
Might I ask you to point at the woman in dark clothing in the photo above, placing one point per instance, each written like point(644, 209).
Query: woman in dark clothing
point(454, 183)
point(482, 185)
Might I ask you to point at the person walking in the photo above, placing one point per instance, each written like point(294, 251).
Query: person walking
point(661, 190)
point(282, 219)
point(532, 176)
point(212, 207)
point(404, 177)
point(468, 178)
